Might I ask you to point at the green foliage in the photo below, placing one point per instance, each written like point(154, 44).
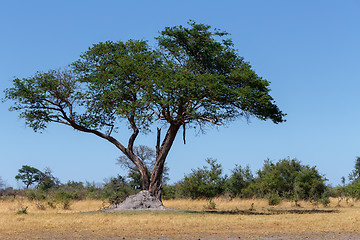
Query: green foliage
point(274, 199)
point(47, 180)
point(193, 77)
point(238, 181)
point(28, 175)
point(92, 191)
point(211, 205)
point(309, 184)
point(289, 179)
point(73, 190)
point(353, 189)
point(116, 74)
point(325, 198)
point(23, 210)
point(206, 77)
point(116, 190)
point(355, 174)
point(204, 182)
point(35, 195)
point(64, 198)
point(41, 98)
point(170, 192)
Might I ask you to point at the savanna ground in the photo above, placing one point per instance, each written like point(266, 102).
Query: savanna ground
point(235, 219)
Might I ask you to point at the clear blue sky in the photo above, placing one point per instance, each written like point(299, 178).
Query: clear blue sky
point(308, 50)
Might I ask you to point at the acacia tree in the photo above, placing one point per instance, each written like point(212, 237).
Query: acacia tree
point(28, 175)
point(193, 77)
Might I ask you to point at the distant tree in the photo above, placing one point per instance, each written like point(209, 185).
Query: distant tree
point(2, 184)
point(43, 180)
point(47, 180)
point(353, 187)
point(343, 181)
point(239, 180)
point(148, 157)
point(289, 179)
point(309, 184)
point(28, 175)
point(206, 182)
point(355, 174)
point(194, 77)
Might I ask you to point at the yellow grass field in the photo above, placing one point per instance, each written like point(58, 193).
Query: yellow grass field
point(231, 219)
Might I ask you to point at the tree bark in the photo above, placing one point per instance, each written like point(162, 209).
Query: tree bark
point(156, 176)
point(142, 169)
point(151, 183)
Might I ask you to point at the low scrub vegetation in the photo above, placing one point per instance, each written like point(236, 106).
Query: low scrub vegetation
point(275, 182)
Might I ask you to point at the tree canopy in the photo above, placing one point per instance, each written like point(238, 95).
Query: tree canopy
point(192, 77)
point(28, 175)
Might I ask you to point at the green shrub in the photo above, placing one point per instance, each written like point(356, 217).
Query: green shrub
point(204, 183)
point(116, 190)
point(35, 194)
point(238, 181)
point(64, 198)
point(325, 200)
point(274, 199)
point(23, 210)
point(169, 192)
point(52, 204)
point(288, 178)
point(211, 205)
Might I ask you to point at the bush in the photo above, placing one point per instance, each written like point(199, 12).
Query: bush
point(9, 192)
point(239, 180)
point(211, 205)
point(309, 184)
point(204, 183)
point(35, 195)
point(92, 192)
point(353, 189)
point(116, 190)
point(274, 199)
point(289, 179)
point(76, 190)
point(325, 200)
point(64, 198)
point(23, 210)
point(169, 192)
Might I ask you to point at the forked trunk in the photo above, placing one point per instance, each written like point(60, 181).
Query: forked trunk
point(144, 172)
point(162, 152)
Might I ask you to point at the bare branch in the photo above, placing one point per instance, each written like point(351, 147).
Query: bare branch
point(216, 122)
point(111, 129)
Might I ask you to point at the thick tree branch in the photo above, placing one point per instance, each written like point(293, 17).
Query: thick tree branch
point(134, 134)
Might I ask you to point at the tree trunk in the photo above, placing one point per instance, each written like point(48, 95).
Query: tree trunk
point(156, 176)
point(145, 179)
point(142, 169)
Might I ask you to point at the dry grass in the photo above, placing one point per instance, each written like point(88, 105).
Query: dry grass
point(231, 219)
